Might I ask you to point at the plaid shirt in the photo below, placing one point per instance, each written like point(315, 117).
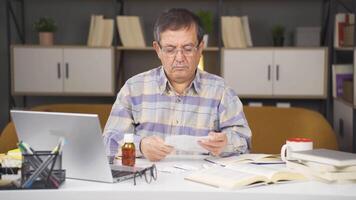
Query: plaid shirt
point(146, 105)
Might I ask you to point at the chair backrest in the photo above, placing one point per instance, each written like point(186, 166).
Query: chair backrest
point(272, 126)
point(8, 137)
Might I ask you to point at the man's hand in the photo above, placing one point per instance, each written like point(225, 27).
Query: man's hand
point(154, 148)
point(215, 144)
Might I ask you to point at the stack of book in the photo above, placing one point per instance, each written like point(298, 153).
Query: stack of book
point(236, 32)
point(130, 31)
point(343, 32)
point(325, 165)
point(101, 31)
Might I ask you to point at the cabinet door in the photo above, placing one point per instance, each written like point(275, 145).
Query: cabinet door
point(89, 71)
point(248, 72)
point(37, 70)
point(300, 72)
point(343, 126)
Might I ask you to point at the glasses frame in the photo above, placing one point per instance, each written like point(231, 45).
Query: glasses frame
point(152, 174)
point(196, 48)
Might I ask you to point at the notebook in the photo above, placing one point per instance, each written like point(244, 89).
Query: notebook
point(83, 155)
point(326, 156)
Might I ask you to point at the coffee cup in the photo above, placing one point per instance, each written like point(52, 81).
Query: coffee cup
point(295, 144)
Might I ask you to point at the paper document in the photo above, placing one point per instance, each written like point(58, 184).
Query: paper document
point(186, 143)
point(247, 158)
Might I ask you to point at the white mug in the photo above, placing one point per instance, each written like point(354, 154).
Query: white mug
point(295, 144)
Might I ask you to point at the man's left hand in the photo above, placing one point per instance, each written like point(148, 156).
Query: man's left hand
point(215, 143)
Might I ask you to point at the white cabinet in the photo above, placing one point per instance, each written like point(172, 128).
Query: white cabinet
point(269, 72)
point(343, 124)
point(62, 71)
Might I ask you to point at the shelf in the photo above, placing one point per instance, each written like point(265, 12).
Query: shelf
point(273, 47)
point(151, 48)
point(135, 48)
point(58, 46)
point(344, 48)
point(85, 46)
point(350, 104)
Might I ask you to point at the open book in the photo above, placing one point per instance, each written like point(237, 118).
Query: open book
point(247, 158)
point(243, 175)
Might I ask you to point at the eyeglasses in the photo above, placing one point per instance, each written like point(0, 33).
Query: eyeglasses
point(171, 51)
point(150, 173)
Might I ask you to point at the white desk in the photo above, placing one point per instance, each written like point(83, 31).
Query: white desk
point(173, 186)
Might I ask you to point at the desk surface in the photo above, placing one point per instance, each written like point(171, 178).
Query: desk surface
point(173, 186)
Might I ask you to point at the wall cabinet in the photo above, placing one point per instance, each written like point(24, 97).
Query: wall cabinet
point(276, 72)
point(63, 71)
point(343, 124)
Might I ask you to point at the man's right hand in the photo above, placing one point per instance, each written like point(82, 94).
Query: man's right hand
point(154, 148)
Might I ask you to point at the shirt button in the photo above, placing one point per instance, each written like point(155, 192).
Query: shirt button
point(178, 100)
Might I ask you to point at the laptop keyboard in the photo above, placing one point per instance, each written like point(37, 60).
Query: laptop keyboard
point(118, 173)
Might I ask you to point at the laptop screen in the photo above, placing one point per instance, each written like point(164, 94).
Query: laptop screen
point(83, 155)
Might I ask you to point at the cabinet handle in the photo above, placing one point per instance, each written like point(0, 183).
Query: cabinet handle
point(269, 73)
point(67, 70)
point(341, 127)
point(59, 70)
point(277, 72)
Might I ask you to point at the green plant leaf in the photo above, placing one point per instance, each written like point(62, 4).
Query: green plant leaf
point(45, 24)
point(206, 18)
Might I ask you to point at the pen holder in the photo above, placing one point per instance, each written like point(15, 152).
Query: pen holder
point(42, 170)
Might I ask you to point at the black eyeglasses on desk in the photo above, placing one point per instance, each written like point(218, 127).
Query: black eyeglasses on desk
point(149, 173)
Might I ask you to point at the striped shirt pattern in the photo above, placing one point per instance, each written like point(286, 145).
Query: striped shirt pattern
point(146, 105)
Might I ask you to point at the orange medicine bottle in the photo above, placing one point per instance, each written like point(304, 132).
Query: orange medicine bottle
point(128, 151)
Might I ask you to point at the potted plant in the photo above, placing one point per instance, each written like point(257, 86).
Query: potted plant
point(206, 18)
point(278, 35)
point(46, 27)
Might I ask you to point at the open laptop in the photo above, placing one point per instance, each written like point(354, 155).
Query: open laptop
point(83, 155)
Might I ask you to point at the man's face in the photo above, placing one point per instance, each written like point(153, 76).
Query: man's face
point(179, 53)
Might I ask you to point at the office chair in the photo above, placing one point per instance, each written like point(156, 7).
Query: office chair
point(272, 126)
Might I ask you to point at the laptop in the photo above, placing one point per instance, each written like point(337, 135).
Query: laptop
point(83, 154)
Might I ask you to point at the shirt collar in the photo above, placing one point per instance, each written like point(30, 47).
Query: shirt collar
point(164, 85)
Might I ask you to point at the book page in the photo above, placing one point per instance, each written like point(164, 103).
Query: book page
point(247, 158)
point(226, 178)
point(253, 169)
point(274, 174)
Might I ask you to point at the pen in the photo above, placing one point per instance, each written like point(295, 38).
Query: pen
point(38, 171)
point(36, 161)
point(216, 126)
point(214, 162)
point(268, 163)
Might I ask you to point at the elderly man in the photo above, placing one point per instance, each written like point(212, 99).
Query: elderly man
point(177, 98)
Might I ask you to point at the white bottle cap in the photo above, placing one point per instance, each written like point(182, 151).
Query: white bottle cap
point(128, 138)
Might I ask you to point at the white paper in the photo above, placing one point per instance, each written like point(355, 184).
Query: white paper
point(186, 143)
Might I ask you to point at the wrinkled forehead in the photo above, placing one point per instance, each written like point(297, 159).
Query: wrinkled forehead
point(182, 35)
